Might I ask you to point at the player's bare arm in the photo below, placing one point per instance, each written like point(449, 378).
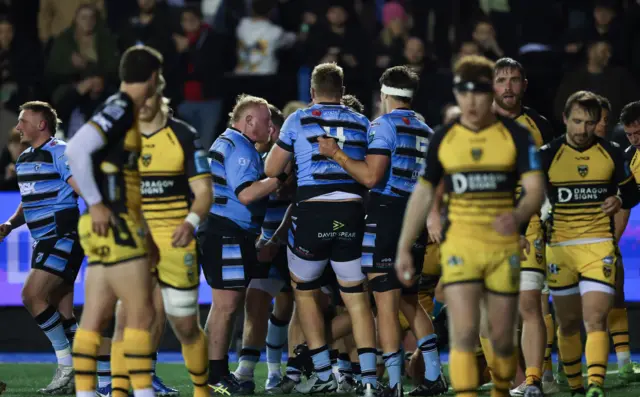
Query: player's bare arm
point(203, 197)
point(368, 172)
point(418, 208)
point(16, 220)
point(79, 149)
point(277, 161)
point(434, 220)
point(621, 219)
point(258, 190)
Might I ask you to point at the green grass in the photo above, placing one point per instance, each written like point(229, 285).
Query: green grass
point(26, 379)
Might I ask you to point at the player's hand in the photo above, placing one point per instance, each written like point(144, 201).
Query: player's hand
point(78, 61)
point(5, 229)
point(525, 248)
point(183, 235)
point(268, 251)
point(434, 228)
point(611, 205)
point(327, 146)
point(10, 171)
point(506, 224)
point(404, 268)
point(101, 219)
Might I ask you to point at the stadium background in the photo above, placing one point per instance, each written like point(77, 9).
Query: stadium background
point(565, 45)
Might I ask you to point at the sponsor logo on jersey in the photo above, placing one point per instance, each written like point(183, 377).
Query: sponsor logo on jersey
point(150, 188)
point(553, 268)
point(476, 182)
point(566, 194)
point(454, 261)
point(337, 225)
point(27, 188)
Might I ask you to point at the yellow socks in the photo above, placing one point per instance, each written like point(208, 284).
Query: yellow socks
point(197, 363)
point(548, 322)
point(597, 354)
point(137, 355)
point(463, 371)
point(489, 355)
point(85, 356)
point(570, 347)
point(618, 324)
point(504, 370)
point(120, 382)
point(534, 375)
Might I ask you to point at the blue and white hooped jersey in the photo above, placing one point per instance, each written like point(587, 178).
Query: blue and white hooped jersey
point(43, 173)
point(316, 174)
point(235, 165)
point(402, 136)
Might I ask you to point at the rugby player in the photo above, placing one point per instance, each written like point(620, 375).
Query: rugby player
point(584, 174)
point(480, 249)
point(603, 124)
point(103, 156)
point(327, 221)
point(509, 84)
point(49, 207)
point(395, 154)
point(618, 321)
point(228, 236)
point(260, 323)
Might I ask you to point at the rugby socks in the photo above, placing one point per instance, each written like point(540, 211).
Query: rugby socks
point(249, 357)
point(50, 322)
point(218, 369)
point(393, 363)
point(70, 327)
point(463, 371)
point(276, 338)
point(120, 382)
point(489, 355)
point(154, 362)
point(344, 366)
point(547, 365)
point(333, 355)
point(570, 347)
point(504, 370)
point(195, 359)
point(428, 345)
point(534, 375)
point(293, 370)
point(85, 354)
point(367, 358)
point(138, 353)
point(322, 362)
point(597, 355)
point(437, 307)
point(618, 324)
point(357, 373)
point(104, 371)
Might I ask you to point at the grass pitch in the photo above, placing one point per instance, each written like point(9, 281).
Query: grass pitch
point(26, 379)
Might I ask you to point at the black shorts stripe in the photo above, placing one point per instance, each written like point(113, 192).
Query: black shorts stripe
point(38, 177)
point(38, 197)
point(333, 123)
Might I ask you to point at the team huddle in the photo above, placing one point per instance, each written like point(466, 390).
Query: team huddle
point(363, 232)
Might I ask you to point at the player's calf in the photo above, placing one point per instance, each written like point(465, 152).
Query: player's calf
point(533, 328)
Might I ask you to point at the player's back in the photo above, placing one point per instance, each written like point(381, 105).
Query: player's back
point(50, 204)
point(578, 182)
point(409, 138)
point(317, 175)
point(115, 165)
point(481, 170)
point(171, 158)
point(234, 163)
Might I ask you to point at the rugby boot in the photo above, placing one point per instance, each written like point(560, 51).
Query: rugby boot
point(284, 386)
point(431, 388)
point(315, 385)
point(163, 390)
point(63, 382)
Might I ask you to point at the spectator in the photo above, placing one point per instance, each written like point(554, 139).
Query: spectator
point(259, 39)
point(602, 128)
point(485, 37)
point(614, 83)
point(291, 107)
point(201, 68)
point(20, 75)
point(415, 57)
point(8, 158)
point(466, 48)
point(391, 42)
point(56, 16)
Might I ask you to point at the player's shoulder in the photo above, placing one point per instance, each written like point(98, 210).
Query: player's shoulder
point(118, 100)
point(630, 152)
point(55, 146)
point(24, 155)
point(610, 146)
point(554, 145)
point(515, 128)
point(441, 131)
point(181, 128)
point(535, 116)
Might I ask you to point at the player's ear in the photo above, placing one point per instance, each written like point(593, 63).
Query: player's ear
point(526, 84)
point(343, 91)
point(564, 118)
point(42, 125)
point(312, 91)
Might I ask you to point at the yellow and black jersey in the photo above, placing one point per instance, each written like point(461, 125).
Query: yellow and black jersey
point(632, 158)
point(171, 158)
point(115, 166)
point(578, 182)
point(481, 170)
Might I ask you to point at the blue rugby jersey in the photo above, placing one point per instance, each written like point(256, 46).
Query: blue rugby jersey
point(236, 164)
point(316, 174)
point(49, 202)
point(276, 208)
point(405, 138)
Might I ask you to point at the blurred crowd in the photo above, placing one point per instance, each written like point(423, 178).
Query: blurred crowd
point(67, 52)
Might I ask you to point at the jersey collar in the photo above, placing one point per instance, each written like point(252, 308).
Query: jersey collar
point(44, 144)
point(245, 137)
point(581, 150)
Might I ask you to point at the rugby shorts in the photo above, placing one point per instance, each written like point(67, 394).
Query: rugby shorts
point(125, 241)
point(533, 268)
point(61, 256)
point(178, 266)
point(581, 268)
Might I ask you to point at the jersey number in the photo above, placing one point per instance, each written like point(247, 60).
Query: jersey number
point(336, 132)
point(421, 146)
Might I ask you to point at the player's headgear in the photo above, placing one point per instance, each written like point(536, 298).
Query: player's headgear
point(400, 82)
point(473, 73)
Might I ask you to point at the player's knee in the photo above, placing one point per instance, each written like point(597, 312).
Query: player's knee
point(227, 304)
point(595, 320)
point(180, 303)
point(529, 306)
point(465, 339)
point(186, 328)
point(569, 323)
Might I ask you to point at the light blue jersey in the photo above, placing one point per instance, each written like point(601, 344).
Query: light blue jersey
point(50, 204)
point(318, 175)
point(235, 165)
point(276, 209)
point(402, 136)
